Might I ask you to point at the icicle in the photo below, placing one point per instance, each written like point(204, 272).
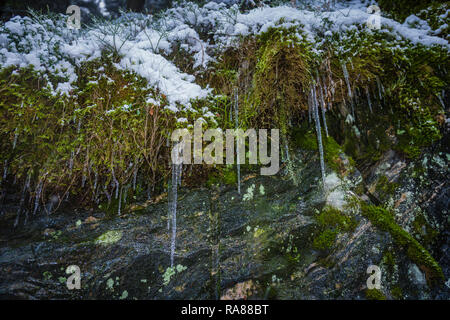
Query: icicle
point(236, 118)
point(120, 201)
point(135, 177)
point(83, 179)
point(286, 148)
point(22, 199)
point(105, 189)
point(71, 161)
point(176, 172)
point(347, 79)
point(95, 181)
point(441, 101)
point(309, 109)
point(125, 193)
point(322, 103)
point(379, 89)
point(5, 169)
point(149, 194)
point(79, 126)
point(368, 99)
point(16, 135)
point(318, 131)
point(38, 195)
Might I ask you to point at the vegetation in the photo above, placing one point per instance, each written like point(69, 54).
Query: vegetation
point(384, 220)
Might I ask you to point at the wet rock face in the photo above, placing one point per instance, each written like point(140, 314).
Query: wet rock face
point(260, 244)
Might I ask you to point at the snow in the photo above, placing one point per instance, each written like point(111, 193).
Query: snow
point(144, 42)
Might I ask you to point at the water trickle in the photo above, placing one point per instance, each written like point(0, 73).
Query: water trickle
point(318, 131)
point(236, 118)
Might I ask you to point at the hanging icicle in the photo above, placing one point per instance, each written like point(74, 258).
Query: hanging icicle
point(379, 89)
point(16, 135)
point(37, 196)
point(318, 131)
point(5, 169)
point(322, 104)
point(347, 80)
point(22, 199)
point(135, 176)
point(236, 118)
point(120, 202)
point(368, 99)
point(176, 177)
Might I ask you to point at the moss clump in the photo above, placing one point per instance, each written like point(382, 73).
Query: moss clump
point(375, 294)
point(282, 73)
point(397, 293)
point(325, 240)
point(384, 188)
point(400, 9)
point(333, 218)
point(331, 221)
point(423, 230)
point(222, 175)
point(109, 237)
point(389, 259)
point(384, 220)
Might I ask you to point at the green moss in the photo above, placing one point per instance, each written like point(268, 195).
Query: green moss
point(384, 188)
point(222, 175)
point(400, 9)
point(384, 220)
point(424, 230)
point(283, 71)
point(331, 221)
point(397, 293)
point(389, 259)
point(306, 139)
point(325, 240)
point(375, 294)
point(331, 217)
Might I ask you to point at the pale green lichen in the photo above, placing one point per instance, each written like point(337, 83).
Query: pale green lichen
point(124, 295)
point(170, 271)
point(249, 195)
point(109, 237)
